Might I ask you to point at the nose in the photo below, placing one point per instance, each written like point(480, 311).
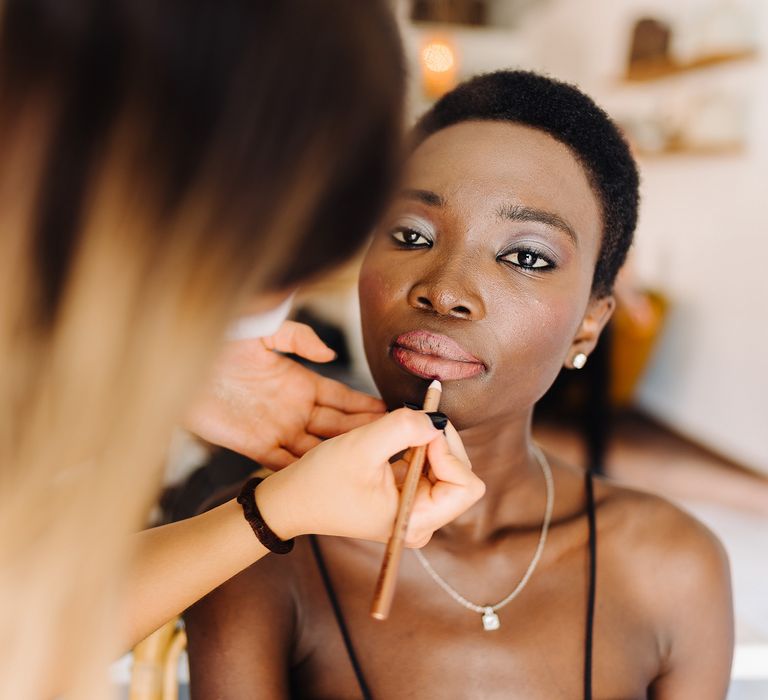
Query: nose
point(447, 290)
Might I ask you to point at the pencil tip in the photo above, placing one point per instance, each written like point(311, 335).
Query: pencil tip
point(436, 385)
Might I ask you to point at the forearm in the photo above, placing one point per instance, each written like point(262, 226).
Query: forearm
point(343, 487)
point(176, 565)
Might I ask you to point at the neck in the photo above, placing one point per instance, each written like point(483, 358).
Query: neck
point(502, 456)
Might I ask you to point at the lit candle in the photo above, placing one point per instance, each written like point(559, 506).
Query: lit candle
point(438, 68)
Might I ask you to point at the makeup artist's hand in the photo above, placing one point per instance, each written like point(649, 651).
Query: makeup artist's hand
point(270, 408)
point(435, 495)
point(347, 487)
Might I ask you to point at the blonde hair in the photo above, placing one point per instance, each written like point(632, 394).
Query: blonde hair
point(123, 254)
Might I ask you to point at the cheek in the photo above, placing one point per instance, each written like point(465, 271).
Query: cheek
point(377, 289)
point(547, 328)
point(534, 339)
point(382, 286)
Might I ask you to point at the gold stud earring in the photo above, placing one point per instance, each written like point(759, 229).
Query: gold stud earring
point(579, 360)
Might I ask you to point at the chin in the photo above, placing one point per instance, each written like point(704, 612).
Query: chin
point(397, 390)
point(460, 399)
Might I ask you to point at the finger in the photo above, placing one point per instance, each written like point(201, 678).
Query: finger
point(456, 489)
point(278, 458)
point(303, 443)
point(328, 422)
point(400, 469)
point(446, 466)
point(339, 396)
point(443, 502)
point(430, 474)
point(455, 444)
point(417, 540)
point(449, 500)
point(418, 533)
point(391, 434)
point(299, 339)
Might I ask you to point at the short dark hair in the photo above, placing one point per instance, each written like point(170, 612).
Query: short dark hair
point(569, 116)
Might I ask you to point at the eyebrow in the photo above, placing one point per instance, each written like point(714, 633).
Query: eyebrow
point(517, 212)
point(424, 196)
point(510, 212)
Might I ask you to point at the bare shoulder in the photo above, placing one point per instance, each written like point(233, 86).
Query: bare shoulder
point(670, 568)
point(656, 531)
point(266, 589)
point(241, 636)
point(258, 594)
point(638, 529)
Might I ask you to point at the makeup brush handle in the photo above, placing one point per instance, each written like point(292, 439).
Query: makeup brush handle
point(385, 587)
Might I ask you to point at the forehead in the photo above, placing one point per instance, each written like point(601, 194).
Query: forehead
point(479, 165)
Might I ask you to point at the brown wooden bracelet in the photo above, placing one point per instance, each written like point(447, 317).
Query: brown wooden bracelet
point(247, 499)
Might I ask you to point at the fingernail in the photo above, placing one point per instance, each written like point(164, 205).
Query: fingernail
point(412, 406)
point(439, 420)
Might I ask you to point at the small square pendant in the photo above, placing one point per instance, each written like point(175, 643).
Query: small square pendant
point(490, 620)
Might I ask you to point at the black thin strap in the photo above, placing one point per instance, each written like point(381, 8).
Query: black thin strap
point(592, 584)
point(366, 693)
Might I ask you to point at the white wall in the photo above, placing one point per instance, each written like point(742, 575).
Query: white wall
point(703, 234)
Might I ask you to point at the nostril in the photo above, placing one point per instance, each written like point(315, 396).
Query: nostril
point(461, 310)
point(423, 301)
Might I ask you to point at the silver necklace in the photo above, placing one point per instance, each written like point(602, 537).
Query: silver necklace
point(489, 612)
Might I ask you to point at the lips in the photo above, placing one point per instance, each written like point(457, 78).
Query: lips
point(433, 356)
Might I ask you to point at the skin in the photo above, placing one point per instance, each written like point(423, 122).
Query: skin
point(237, 407)
point(265, 404)
point(663, 626)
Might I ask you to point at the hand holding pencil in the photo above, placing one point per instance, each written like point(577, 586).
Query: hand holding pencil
point(417, 491)
point(346, 486)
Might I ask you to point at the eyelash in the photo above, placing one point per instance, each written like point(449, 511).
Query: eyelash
point(539, 255)
point(404, 231)
point(526, 250)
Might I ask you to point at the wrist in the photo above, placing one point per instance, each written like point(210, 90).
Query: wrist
point(274, 501)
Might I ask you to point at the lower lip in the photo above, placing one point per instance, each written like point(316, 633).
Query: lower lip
point(433, 367)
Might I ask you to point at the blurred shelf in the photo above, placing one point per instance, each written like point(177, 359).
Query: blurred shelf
point(719, 150)
point(664, 68)
point(486, 32)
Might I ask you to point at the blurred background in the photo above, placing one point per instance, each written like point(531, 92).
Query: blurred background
point(674, 399)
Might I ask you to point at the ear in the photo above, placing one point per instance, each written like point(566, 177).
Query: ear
point(598, 313)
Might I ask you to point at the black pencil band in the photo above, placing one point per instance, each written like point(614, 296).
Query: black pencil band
point(247, 499)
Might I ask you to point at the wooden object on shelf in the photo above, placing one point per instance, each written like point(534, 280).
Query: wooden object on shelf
point(472, 12)
point(633, 340)
point(674, 149)
point(655, 69)
point(650, 43)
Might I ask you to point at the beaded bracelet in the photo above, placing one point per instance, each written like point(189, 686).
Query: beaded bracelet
point(247, 499)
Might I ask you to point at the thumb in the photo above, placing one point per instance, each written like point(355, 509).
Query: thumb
point(299, 339)
point(392, 433)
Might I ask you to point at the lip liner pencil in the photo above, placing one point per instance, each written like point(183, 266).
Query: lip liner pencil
point(385, 588)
